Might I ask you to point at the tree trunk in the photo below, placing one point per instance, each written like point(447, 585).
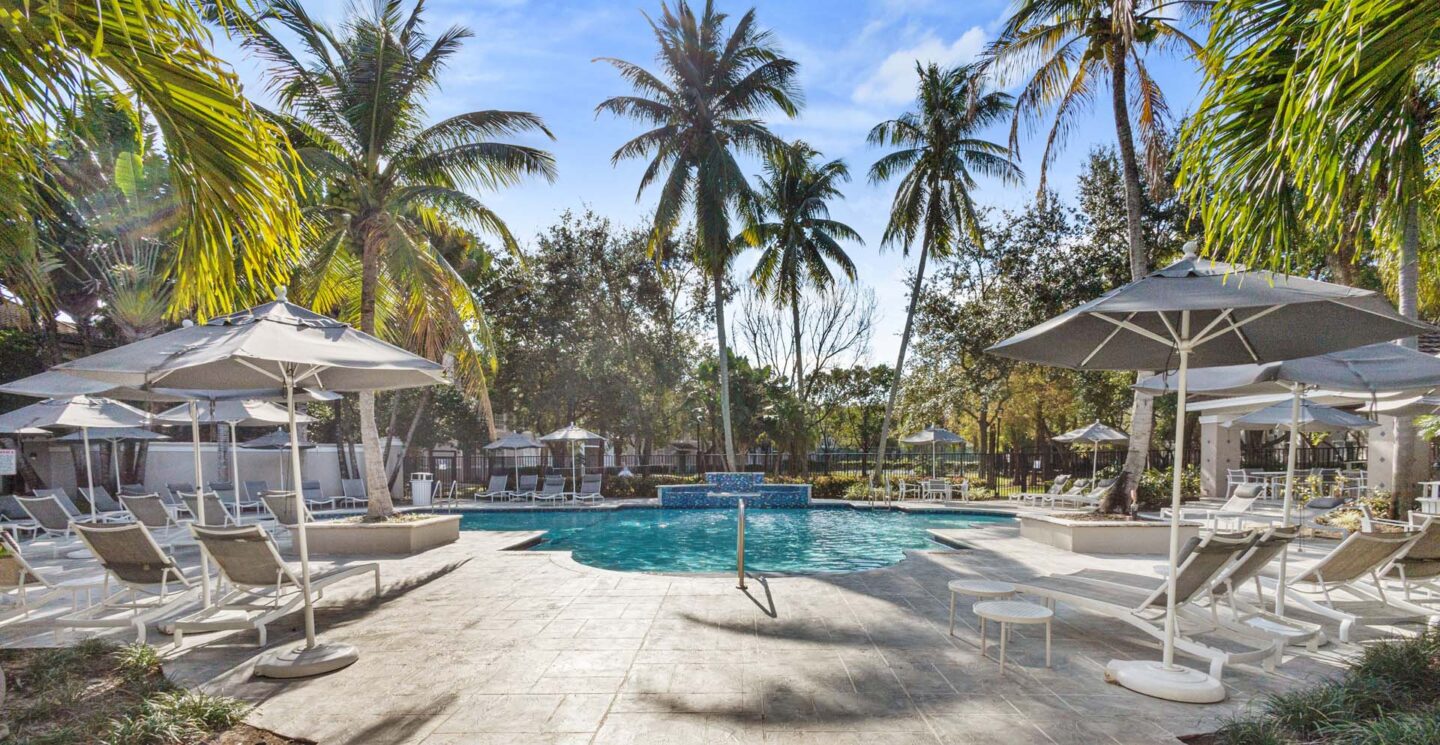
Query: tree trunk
point(799, 366)
point(391, 432)
point(719, 281)
point(415, 418)
point(1411, 465)
point(376, 488)
point(1142, 409)
point(900, 359)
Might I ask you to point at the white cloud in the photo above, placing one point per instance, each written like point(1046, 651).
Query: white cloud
point(893, 81)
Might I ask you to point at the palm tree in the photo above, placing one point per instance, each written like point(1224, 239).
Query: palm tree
point(789, 220)
point(937, 156)
point(1066, 51)
point(704, 106)
point(387, 189)
point(231, 179)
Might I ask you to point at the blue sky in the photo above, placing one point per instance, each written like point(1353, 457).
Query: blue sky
point(857, 67)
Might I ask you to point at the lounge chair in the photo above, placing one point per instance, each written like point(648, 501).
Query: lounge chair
point(553, 490)
point(216, 513)
point(14, 519)
point(26, 588)
point(1236, 508)
point(136, 563)
point(281, 506)
point(1344, 571)
point(106, 508)
point(939, 489)
point(496, 488)
point(589, 491)
point(526, 488)
point(1145, 609)
point(254, 490)
point(265, 587)
point(353, 494)
point(1417, 566)
point(1090, 498)
point(149, 510)
point(52, 519)
point(59, 494)
point(133, 490)
point(315, 498)
point(1056, 487)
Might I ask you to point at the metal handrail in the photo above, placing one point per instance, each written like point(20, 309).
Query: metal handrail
point(740, 543)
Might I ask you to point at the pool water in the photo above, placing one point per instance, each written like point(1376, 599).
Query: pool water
point(801, 541)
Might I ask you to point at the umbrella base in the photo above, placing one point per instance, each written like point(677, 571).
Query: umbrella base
point(299, 662)
point(1175, 683)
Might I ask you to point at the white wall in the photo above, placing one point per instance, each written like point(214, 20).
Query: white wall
point(174, 461)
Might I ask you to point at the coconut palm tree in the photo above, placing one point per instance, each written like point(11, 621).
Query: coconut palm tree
point(1066, 51)
point(704, 107)
point(384, 184)
point(789, 220)
point(937, 155)
point(231, 180)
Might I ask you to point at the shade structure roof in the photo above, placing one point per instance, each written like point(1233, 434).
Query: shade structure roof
point(57, 384)
point(514, 441)
point(76, 411)
point(277, 440)
point(933, 435)
point(1373, 368)
point(253, 348)
point(115, 434)
point(572, 433)
point(1093, 433)
point(1313, 418)
point(1405, 407)
point(240, 413)
point(1237, 316)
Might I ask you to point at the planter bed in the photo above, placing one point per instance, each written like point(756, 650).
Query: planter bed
point(1117, 536)
point(390, 538)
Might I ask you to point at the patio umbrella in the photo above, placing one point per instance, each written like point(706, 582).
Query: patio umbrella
point(1093, 433)
point(933, 436)
point(279, 440)
point(1313, 417)
point(82, 412)
point(242, 413)
point(571, 435)
point(512, 442)
point(1408, 406)
point(115, 436)
point(1199, 313)
point(276, 344)
point(1372, 369)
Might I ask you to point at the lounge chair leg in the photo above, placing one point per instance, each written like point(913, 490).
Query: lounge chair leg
point(952, 614)
point(1217, 666)
point(263, 634)
point(177, 638)
point(1004, 637)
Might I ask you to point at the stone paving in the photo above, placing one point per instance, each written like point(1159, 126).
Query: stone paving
point(470, 643)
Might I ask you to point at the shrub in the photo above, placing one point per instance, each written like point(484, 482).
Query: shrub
point(1155, 486)
point(137, 663)
point(823, 486)
point(1349, 518)
point(643, 487)
point(176, 716)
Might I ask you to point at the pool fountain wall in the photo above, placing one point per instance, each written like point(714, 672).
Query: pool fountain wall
point(726, 489)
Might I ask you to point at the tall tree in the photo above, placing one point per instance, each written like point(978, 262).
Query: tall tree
point(938, 153)
point(789, 221)
point(1068, 50)
point(704, 107)
point(231, 185)
point(388, 190)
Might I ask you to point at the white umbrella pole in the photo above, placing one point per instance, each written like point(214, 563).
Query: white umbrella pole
point(235, 467)
point(932, 459)
point(1094, 459)
point(115, 459)
point(300, 511)
point(1169, 656)
point(1289, 492)
point(89, 474)
point(199, 499)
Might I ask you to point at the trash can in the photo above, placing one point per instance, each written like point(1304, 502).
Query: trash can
point(421, 487)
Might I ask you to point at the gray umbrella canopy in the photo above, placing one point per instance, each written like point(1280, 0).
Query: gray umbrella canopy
point(115, 434)
point(933, 435)
point(55, 384)
point(515, 441)
point(1313, 418)
point(82, 412)
point(1093, 433)
point(572, 433)
point(1409, 406)
point(1369, 369)
point(1201, 313)
point(277, 440)
point(249, 413)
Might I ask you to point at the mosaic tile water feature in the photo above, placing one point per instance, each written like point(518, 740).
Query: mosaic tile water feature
point(726, 489)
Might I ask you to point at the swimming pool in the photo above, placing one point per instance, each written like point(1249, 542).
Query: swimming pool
point(799, 541)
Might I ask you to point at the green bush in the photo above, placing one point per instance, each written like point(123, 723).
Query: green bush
point(176, 716)
point(643, 487)
point(822, 486)
point(1156, 484)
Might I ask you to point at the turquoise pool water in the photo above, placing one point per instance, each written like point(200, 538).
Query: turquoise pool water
point(802, 541)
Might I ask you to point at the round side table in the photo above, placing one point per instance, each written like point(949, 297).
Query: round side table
point(1006, 612)
point(977, 588)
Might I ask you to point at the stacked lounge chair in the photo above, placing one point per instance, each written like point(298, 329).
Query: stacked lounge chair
point(151, 585)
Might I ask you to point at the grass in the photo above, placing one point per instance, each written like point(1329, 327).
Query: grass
point(1391, 696)
point(98, 692)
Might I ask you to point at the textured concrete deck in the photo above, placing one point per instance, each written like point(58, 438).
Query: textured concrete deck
point(472, 644)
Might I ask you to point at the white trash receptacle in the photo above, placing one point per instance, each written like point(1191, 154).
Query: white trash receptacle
point(422, 485)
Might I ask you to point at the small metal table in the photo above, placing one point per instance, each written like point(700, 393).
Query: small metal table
point(978, 588)
point(1006, 612)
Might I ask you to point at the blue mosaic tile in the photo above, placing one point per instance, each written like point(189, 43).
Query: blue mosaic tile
point(734, 481)
point(757, 495)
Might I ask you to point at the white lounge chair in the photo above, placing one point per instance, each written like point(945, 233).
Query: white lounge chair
point(1417, 566)
point(106, 508)
point(216, 513)
point(1056, 487)
point(353, 494)
point(315, 498)
point(149, 510)
point(553, 491)
point(496, 488)
point(52, 519)
point(1083, 497)
point(525, 489)
point(265, 588)
point(146, 575)
point(25, 588)
point(589, 491)
point(1236, 508)
point(14, 519)
point(1145, 609)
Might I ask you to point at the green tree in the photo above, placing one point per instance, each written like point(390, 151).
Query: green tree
point(232, 187)
point(704, 106)
point(789, 220)
point(388, 191)
point(1068, 50)
point(938, 154)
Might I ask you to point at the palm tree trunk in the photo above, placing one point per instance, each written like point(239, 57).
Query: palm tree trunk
point(1407, 284)
point(900, 360)
point(795, 329)
point(1142, 408)
point(376, 485)
point(719, 282)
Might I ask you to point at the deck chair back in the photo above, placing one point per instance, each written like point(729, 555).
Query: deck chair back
point(497, 483)
point(1243, 497)
point(590, 483)
point(64, 499)
point(11, 509)
point(1058, 487)
point(148, 510)
point(553, 485)
point(1360, 554)
point(353, 488)
point(246, 556)
point(15, 572)
point(1268, 546)
point(528, 482)
point(282, 506)
point(129, 552)
point(1205, 559)
point(215, 511)
point(47, 512)
point(254, 489)
point(100, 497)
